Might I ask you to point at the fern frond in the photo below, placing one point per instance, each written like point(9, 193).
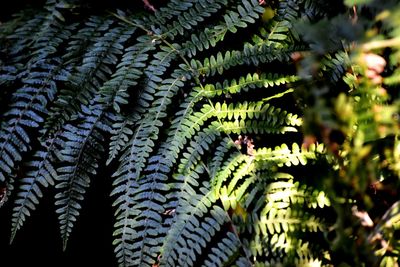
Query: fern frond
point(173, 9)
point(29, 103)
point(94, 27)
point(167, 95)
point(115, 91)
point(227, 170)
point(282, 155)
point(280, 30)
point(124, 185)
point(80, 154)
point(255, 126)
point(157, 67)
point(217, 160)
point(254, 110)
point(281, 220)
point(291, 193)
point(224, 252)
point(251, 54)
point(335, 65)
point(121, 131)
point(245, 13)
point(138, 228)
point(201, 143)
point(134, 159)
point(184, 126)
point(189, 19)
point(244, 83)
point(28, 109)
point(86, 81)
point(197, 220)
point(22, 38)
point(42, 173)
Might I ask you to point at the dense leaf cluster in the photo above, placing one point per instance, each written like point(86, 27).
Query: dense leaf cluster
point(196, 112)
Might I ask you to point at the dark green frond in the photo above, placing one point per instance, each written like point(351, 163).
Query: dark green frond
point(42, 173)
point(80, 153)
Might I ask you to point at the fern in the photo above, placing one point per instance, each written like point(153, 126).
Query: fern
point(188, 233)
point(42, 174)
point(85, 82)
point(81, 146)
point(120, 135)
point(198, 114)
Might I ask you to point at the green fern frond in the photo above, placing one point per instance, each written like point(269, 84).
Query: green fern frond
point(184, 126)
point(251, 54)
point(217, 160)
point(284, 220)
point(138, 228)
point(248, 126)
point(244, 83)
point(125, 185)
point(282, 155)
point(291, 193)
point(225, 252)
point(279, 30)
point(201, 143)
point(335, 65)
point(210, 36)
point(192, 228)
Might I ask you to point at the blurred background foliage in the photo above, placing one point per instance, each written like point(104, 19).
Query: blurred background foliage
point(351, 105)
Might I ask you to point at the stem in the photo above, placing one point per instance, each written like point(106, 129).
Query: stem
point(132, 23)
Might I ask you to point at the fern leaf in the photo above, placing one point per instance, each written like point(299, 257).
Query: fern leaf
point(89, 77)
point(243, 84)
point(227, 169)
point(95, 26)
point(217, 160)
point(245, 13)
point(251, 54)
point(188, 233)
point(284, 156)
point(184, 126)
point(129, 70)
point(42, 174)
point(26, 112)
point(188, 19)
point(80, 153)
point(224, 252)
point(198, 146)
point(120, 135)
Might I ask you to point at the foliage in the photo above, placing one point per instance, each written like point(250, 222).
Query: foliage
point(235, 133)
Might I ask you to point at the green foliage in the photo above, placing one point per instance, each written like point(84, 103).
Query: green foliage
point(217, 122)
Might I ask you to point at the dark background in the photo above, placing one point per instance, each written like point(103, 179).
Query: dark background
point(10, 7)
point(38, 243)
